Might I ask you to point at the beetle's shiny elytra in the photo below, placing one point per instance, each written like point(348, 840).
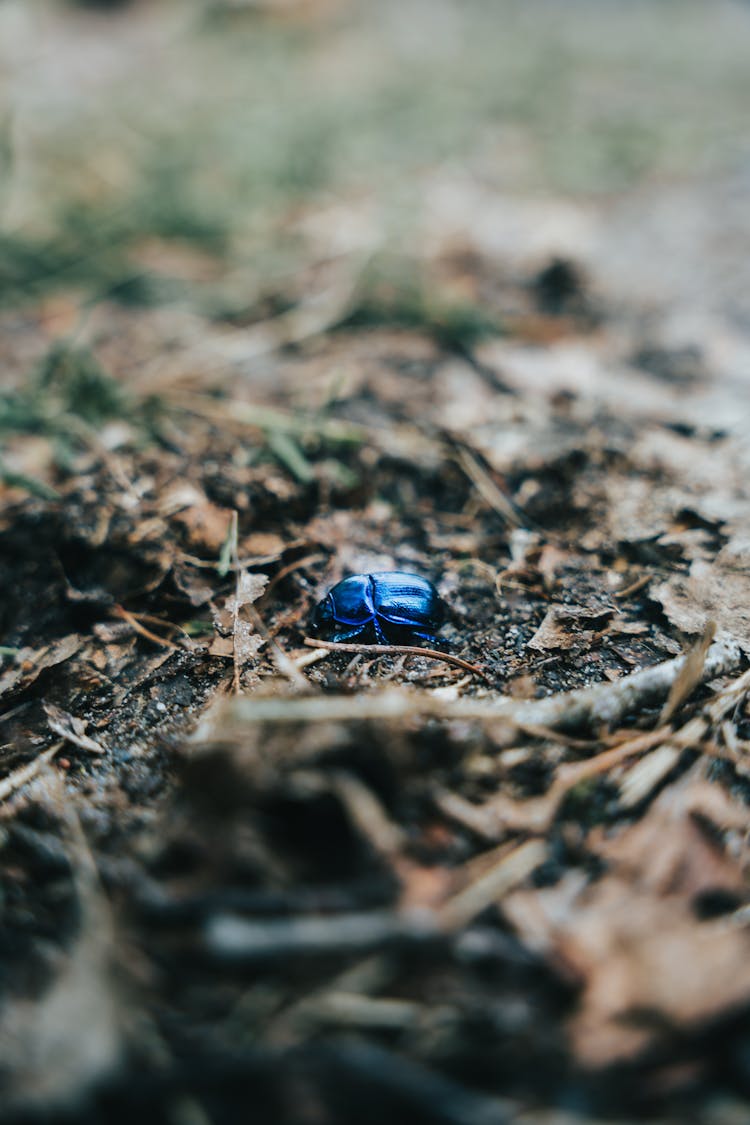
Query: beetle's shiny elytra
point(392, 605)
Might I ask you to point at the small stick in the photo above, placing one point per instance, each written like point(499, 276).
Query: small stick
point(589, 708)
point(400, 650)
point(284, 663)
point(232, 939)
point(152, 619)
point(134, 623)
point(486, 487)
point(634, 587)
point(510, 869)
point(19, 777)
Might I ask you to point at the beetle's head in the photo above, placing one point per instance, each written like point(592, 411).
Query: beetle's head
point(322, 617)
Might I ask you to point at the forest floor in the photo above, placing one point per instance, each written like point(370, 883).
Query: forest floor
point(295, 290)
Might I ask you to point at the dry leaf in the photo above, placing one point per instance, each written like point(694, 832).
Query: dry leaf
point(267, 546)
point(250, 586)
point(564, 626)
point(206, 525)
point(71, 729)
point(247, 643)
point(718, 591)
point(222, 646)
point(193, 583)
point(30, 663)
point(649, 965)
point(633, 939)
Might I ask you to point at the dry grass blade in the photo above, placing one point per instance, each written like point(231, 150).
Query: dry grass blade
point(284, 663)
point(307, 659)
point(573, 773)
point(645, 775)
point(634, 588)
point(728, 698)
point(510, 869)
point(367, 812)
point(264, 418)
point(502, 814)
point(16, 780)
point(690, 675)
point(486, 487)
point(290, 568)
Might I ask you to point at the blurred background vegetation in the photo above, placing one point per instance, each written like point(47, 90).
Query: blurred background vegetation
point(166, 150)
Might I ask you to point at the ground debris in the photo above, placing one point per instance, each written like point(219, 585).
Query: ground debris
point(258, 339)
point(654, 960)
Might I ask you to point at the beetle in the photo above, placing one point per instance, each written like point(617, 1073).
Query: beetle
point(391, 604)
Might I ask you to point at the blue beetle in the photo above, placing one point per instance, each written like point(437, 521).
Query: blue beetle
point(392, 604)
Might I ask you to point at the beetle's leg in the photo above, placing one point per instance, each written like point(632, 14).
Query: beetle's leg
point(424, 636)
point(381, 637)
point(348, 634)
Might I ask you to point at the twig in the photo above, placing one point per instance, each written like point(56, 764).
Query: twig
point(501, 814)
point(399, 650)
point(134, 623)
point(590, 708)
point(633, 588)
point(486, 487)
point(510, 869)
point(241, 941)
point(23, 774)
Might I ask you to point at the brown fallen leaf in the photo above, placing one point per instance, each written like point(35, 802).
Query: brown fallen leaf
point(222, 646)
point(205, 525)
point(718, 591)
point(676, 848)
point(71, 729)
point(266, 545)
point(648, 967)
point(238, 616)
point(566, 625)
point(193, 583)
point(30, 663)
point(651, 970)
